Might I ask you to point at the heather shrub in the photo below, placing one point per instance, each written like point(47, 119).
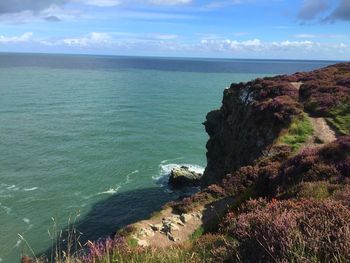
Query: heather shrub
point(117, 250)
point(330, 162)
point(343, 196)
point(216, 191)
point(285, 231)
point(280, 110)
point(327, 94)
point(187, 204)
point(216, 248)
point(102, 249)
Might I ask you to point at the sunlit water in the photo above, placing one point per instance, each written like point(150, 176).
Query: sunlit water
point(93, 135)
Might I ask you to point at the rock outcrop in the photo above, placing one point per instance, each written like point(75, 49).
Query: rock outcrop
point(251, 117)
point(183, 177)
point(254, 114)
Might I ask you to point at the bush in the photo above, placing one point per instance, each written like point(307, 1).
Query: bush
point(216, 248)
point(291, 231)
point(330, 162)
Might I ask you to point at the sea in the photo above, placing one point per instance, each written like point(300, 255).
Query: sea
point(87, 142)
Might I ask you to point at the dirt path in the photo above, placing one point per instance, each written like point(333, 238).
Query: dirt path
point(296, 85)
point(168, 229)
point(322, 131)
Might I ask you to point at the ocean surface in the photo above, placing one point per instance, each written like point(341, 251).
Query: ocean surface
point(87, 141)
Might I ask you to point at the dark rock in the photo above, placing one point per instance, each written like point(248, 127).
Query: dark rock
point(251, 117)
point(184, 177)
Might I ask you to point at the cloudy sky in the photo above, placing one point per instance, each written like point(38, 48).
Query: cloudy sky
point(293, 29)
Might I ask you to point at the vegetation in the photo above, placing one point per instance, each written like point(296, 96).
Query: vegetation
point(292, 231)
point(340, 118)
point(326, 93)
point(298, 133)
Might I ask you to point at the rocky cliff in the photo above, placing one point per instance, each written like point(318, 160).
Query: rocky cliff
point(255, 114)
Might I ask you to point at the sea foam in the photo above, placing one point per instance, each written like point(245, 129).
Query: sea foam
point(165, 169)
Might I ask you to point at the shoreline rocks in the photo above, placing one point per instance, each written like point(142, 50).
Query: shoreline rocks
point(169, 226)
point(181, 177)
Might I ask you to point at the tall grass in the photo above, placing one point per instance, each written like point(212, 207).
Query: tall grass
point(65, 244)
point(298, 132)
point(340, 118)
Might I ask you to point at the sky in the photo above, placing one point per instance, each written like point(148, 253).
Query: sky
point(270, 29)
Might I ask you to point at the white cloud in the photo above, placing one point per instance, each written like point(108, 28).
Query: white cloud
point(257, 48)
point(165, 36)
point(239, 34)
point(94, 38)
point(141, 15)
point(100, 3)
point(170, 2)
point(170, 44)
point(304, 36)
point(26, 37)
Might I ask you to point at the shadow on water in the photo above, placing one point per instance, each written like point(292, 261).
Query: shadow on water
point(108, 216)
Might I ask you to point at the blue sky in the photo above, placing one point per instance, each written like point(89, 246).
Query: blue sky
point(292, 29)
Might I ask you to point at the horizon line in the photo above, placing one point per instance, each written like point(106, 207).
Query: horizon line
point(170, 57)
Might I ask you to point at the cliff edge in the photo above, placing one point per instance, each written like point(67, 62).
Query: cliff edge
point(254, 115)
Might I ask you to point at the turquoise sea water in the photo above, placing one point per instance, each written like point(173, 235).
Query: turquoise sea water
point(91, 135)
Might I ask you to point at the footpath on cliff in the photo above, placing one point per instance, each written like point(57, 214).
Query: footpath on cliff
point(323, 133)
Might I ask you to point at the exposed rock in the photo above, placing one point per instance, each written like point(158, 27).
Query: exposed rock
point(184, 177)
point(156, 227)
point(169, 227)
point(185, 218)
point(146, 232)
point(171, 237)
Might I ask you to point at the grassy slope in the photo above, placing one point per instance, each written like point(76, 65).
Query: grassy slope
point(340, 118)
point(298, 133)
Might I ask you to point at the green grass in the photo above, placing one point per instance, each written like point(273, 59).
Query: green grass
point(173, 255)
point(132, 242)
point(342, 123)
point(298, 133)
point(197, 233)
point(340, 118)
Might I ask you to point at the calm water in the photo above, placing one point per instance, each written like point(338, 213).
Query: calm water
point(90, 135)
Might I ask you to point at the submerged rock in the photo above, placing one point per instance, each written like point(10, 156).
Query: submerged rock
point(183, 177)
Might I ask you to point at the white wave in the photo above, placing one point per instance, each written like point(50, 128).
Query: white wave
point(30, 189)
point(12, 187)
point(128, 177)
point(19, 241)
point(114, 190)
point(165, 169)
point(26, 220)
point(111, 191)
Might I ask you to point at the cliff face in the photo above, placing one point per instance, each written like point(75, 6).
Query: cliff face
point(254, 114)
point(250, 119)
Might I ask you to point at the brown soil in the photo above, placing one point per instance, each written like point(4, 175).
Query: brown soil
point(199, 217)
point(296, 85)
